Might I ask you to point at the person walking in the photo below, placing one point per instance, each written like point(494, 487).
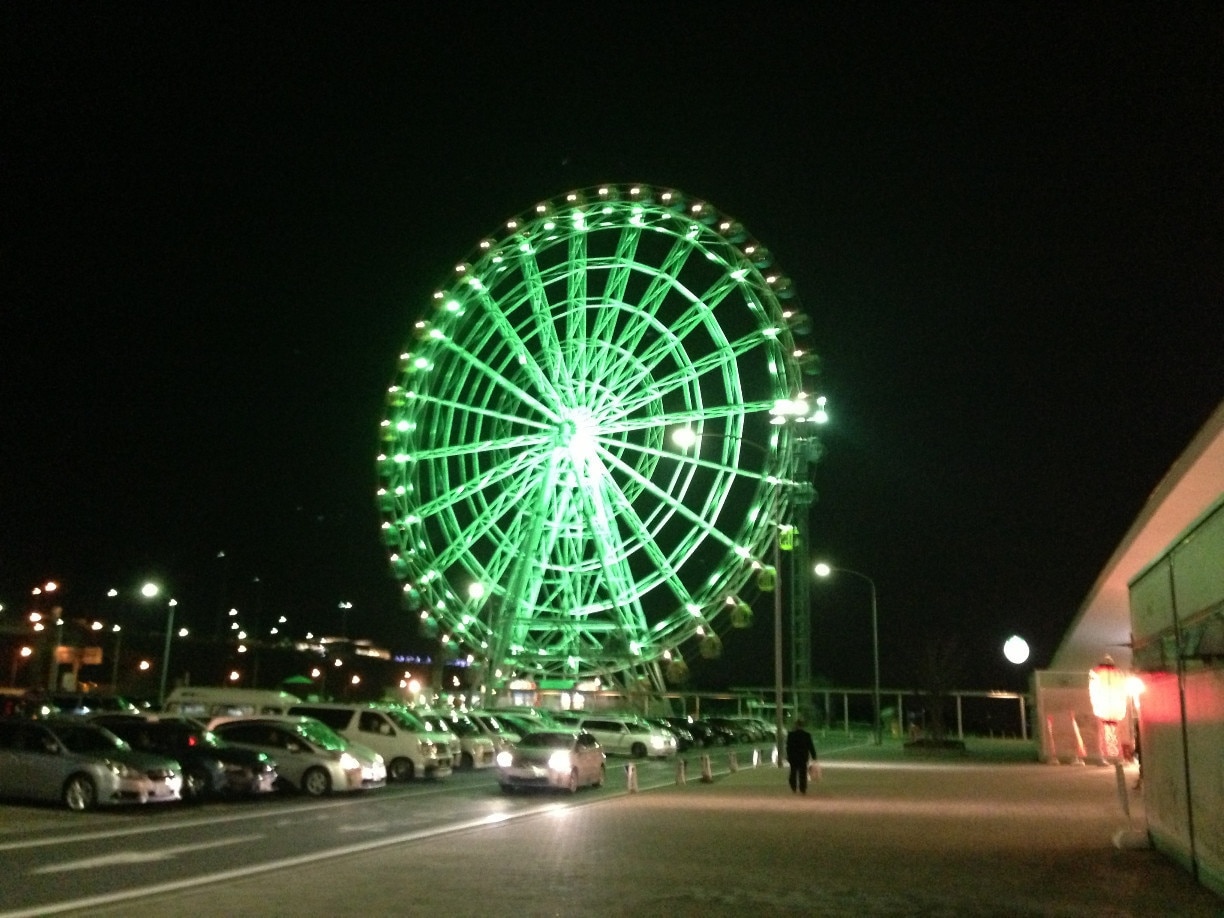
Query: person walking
point(799, 748)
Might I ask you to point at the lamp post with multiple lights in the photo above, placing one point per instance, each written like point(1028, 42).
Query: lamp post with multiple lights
point(784, 411)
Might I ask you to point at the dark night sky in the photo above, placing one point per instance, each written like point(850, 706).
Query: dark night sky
point(220, 222)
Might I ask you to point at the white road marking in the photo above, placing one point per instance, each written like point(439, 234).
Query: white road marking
point(140, 857)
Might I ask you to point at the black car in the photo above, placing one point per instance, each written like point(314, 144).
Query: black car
point(684, 737)
point(703, 734)
point(211, 767)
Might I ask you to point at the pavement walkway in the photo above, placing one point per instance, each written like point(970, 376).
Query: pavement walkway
point(885, 833)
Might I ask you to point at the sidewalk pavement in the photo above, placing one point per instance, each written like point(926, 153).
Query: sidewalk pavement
point(884, 833)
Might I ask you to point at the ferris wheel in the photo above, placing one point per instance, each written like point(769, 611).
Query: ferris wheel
point(579, 477)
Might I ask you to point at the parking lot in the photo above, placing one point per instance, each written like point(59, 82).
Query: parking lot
point(883, 834)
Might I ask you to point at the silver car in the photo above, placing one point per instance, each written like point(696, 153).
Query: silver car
point(310, 756)
point(81, 765)
point(558, 759)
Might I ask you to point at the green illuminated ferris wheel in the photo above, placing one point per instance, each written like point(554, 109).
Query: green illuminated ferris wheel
point(542, 518)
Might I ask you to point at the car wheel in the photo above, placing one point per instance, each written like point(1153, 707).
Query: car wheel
point(195, 784)
point(316, 782)
point(466, 761)
point(507, 788)
point(80, 793)
point(599, 781)
point(572, 785)
point(638, 751)
point(401, 769)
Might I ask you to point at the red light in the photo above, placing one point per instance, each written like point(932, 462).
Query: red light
point(191, 741)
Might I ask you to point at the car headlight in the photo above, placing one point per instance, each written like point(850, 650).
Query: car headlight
point(559, 761)
point(505, 758)
point(123, 770)
point(349, 762)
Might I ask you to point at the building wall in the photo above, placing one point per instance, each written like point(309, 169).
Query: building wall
point(1177, 622)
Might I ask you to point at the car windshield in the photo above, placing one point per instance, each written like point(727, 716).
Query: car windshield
point(435, 723)
point(404, 719)
point(88, 739)
point(462, 726)
point(547, 740)
point(322, 735)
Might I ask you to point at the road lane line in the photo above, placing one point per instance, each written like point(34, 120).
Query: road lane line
point(140, 857)
point(239, 873)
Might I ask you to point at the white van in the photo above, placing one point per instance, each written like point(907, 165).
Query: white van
point(627, 735)
point(406, 744)
point(204, 702)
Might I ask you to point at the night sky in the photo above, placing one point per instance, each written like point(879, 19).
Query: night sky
point(220, 222)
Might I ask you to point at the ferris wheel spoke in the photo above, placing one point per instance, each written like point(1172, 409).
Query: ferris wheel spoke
point(667, 572)
point(487, 372)
point(551, 351)
point(490, 311)
point(698, 316)
point(677, 506)
point(504, 502)
point(659, 286)
point(725, 360)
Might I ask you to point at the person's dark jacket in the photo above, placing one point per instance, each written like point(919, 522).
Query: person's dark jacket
point(799, 746)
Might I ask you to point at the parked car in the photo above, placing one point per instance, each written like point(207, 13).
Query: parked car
point(205, 701)
point(81, 703)
point(479, 748)
point(310, 756)
point(629, 736)
point(684, 736)
point(736, 730)
point(81, 765)
point(529, 721)
point(211, 767)
point(475, 749)
point(404, 741)
point(552, 759)
point(497, 728)
point(703, 733)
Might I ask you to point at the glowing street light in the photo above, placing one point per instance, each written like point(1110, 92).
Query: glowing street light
point(1016, 650)
point(824, 570)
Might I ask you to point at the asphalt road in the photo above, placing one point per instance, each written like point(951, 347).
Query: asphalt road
point(992, 833)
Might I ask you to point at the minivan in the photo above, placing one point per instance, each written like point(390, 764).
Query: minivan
point(205, 702)
point(401, 738)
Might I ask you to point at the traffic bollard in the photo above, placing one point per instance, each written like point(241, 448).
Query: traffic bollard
point(706, 774)
point(732, 764)
point(681, 771)
point(631, 778)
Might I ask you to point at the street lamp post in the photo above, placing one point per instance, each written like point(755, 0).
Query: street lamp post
point(779, 730)
point(165, 667)
point(823, 570)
